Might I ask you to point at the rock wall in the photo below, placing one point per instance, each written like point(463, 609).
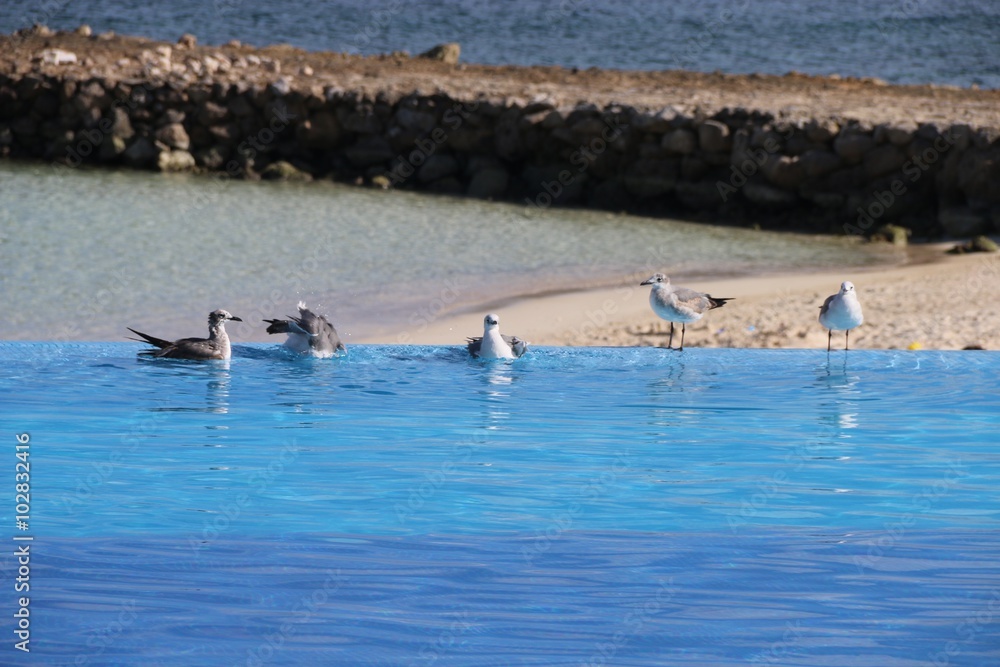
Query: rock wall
point(739, 165)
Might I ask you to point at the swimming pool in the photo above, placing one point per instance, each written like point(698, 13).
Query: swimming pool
point(578, 506)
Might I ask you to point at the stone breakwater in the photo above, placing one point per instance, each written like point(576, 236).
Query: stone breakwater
point(236, 112)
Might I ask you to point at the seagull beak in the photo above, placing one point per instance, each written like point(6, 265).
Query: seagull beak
point(235, 319)
point(648, 281)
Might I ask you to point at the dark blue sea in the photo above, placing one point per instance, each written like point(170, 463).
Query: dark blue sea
point(902, 41)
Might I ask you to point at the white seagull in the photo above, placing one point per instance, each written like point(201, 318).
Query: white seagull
point(494, 345)
point(841, 312)
point(308, 333)
point(678, 304)
point(216, 346)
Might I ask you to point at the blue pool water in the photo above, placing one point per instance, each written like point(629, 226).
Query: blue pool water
point(596, 506)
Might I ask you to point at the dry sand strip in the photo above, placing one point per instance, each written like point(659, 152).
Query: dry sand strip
point(948, 305)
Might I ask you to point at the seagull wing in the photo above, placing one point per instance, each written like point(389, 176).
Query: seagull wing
point(323, 335)
point(475, 345)
point(825, 308)
point(191, 348)
point(517, 346)
point(152, 340)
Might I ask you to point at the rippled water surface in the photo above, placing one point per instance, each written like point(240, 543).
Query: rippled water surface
point(410, 506)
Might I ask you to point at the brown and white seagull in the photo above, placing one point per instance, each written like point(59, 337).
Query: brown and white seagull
point(216, 346)
point(678, 304)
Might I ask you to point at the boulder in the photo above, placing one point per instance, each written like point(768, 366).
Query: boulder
point(962, 221)
point(447, 53)
point(651, 178)
point(819, 163)
point(699, 196)
point(284, 171)
point(121, 124)
point(141, 153)
point(768, 195)
point(488, 183)
point(175, 136)
point(978, 244)
point(362, 122)
point(111, 148)
point(883, 160)
point(784, 171)
point(437, 167)
point(211, 113)
point(714, 137)
point(680, 142)
point(240, 106)
point(417, 121)
point(821, 131)
point(179, 160)
point(321, 130)
point(369, 150)
point(852, 146)
point(897, 235)
point(213, 157)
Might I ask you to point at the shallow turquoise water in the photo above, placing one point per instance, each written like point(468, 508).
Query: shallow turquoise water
point(96, 248)
point(409, 506)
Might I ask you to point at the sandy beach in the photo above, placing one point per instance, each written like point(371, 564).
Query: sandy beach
point(937, 301)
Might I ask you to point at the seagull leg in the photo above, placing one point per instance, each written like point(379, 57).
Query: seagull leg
point(681, 348)
point(847, 338)
point(670, 343)
point(829, 339)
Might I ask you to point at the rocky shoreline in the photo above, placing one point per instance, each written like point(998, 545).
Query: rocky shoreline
point(797, 152)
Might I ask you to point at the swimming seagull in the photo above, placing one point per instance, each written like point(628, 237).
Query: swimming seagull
point(841, 312)
point(308, 332)
point(494, 345)
point(216, 346)
point(678, 304)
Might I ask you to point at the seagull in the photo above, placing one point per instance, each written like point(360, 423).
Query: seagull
point(678, 304)
point(494, 345)
point(308, 333)
point(841, 312)
point(216, 346)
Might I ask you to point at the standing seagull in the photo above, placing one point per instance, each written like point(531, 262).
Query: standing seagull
point(494, 345)
point(216, 346)
point(841, 312)
point(308, 332)
point(678, 304)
